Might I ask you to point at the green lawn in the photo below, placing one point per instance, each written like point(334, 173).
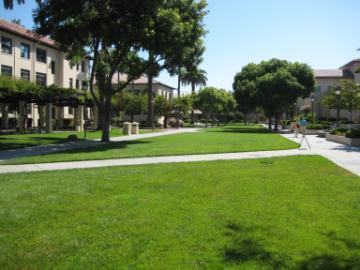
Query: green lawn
point(216, 140)
point(14, 141)
point(282, 213)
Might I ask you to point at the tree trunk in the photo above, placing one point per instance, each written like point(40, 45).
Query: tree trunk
point(179, 82)
point(106, 118)
point(269, 123)
point(165, 121)
point(132, 117)
point(192, 109)
point(150, 115)
point(5, 116)
point(245, 122)
point(276, 124)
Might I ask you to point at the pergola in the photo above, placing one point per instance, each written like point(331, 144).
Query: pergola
point(21, 92)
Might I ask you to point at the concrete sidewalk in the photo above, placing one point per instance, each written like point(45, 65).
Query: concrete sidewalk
point(345, 156)
point(147, 160)
point(51, 148)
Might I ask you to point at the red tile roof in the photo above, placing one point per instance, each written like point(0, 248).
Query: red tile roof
point(141, 80)
point(25, 33)
point(333, 73)
point(350, 63)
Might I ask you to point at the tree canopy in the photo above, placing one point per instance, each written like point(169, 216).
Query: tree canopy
point(214, 102)
point(142, 36)
point(273, 86)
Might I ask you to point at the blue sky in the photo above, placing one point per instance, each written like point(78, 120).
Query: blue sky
point(322, 33)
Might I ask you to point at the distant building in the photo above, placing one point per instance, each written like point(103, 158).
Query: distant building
point(140, 86)
point(324, 80)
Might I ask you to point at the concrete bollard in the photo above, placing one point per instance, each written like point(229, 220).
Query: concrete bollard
point(127, 128)
point(135, 128)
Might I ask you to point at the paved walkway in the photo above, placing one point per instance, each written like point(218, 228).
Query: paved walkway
point(51, 148)
point(345, 156)
point(147, 160)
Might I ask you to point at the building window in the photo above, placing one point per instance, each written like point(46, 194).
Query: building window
point(71, 84)
point(52, 67)
point(40, 55)
point(6, 70)
point(40, 79)
point(77, 84)
point(71, 110)
point(6, 45)
point(82, 66)
point(25, 74)
point(77, 67)
point(25, 50)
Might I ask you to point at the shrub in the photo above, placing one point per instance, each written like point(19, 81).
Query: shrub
point(352, 133)
point(339, 131)
point(318, 126)
point(72, 137)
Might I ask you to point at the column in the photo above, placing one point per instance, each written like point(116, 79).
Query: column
point(41, 112)
point(4, 116)
point(21, 124)
point(79, 118)
point(48, 120)
point(61, 116)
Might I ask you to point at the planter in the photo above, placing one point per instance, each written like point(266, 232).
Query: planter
point(343, 140)
point(312, 132)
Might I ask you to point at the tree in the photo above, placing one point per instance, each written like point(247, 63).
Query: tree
point(181, 107)
point(348, 99)
point(163, 107)
point(9, 4)
point(213, 102)
point(132, 104)
point(16, 21)
point(171, 34)
point(245, 88)
point(82, 28)
point(274, 86)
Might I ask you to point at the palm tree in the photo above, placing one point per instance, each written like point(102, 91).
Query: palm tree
point(194, 77)
point(9, 4)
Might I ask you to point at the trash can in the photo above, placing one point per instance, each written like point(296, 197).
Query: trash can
point(127, 128)
point(135, 128)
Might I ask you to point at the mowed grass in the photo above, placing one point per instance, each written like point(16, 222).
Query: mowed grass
point(215, 140)
point(14, 141)
point(282, 213)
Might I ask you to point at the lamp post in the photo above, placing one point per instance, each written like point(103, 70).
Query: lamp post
point(337, 93)
point(312, 107)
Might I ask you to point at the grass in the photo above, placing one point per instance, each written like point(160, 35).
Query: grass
point(282, 213)
point(14, 141)
point(216, 140)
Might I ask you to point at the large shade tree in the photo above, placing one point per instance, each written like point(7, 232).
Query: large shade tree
point(169, 39)
point(83, 28)
point(273, 86)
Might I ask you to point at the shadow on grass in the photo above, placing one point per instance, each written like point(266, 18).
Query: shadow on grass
point(15, 143)
point(101, 147)
point(247, 247)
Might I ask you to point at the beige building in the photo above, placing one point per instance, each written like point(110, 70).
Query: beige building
point(37, 59)
point(140, 86)
point(324, 80)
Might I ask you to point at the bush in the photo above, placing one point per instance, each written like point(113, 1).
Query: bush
point(318, 126)
point(352, 133)
point(339, 131)
point(72, 137)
